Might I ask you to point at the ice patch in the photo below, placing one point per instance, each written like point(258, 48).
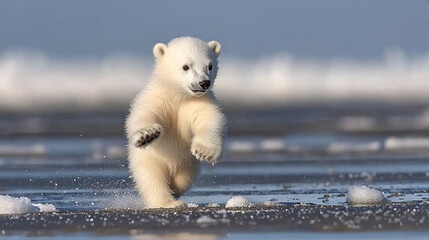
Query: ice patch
point(45, 207)
point(395, 143)
point(192, 205)
point(238, 201)
point(12, 205)
point(364, 196)
point(341, 147)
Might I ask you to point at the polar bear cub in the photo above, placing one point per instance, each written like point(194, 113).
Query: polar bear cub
point(175, 122)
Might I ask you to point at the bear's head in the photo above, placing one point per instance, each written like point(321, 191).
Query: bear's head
point(188, 64)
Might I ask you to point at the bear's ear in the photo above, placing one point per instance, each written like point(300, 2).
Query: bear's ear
point(215, 47)
point(159, 50)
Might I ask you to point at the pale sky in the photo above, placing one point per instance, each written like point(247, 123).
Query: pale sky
point(250, 29)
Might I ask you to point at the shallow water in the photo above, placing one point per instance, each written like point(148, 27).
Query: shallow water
point(301, 160)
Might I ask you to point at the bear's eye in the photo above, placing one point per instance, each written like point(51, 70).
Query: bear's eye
point(210, 66)
point(185, 67)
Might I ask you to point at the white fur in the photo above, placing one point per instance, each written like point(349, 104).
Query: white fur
point(172, 128)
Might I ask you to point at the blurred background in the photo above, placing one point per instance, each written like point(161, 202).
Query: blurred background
point(320, 95)
point(94, 56)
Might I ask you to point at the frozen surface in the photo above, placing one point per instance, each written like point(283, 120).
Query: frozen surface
point(364, 195)
point(290, 217)
point(238, 201)
point(12, 205)
point(251, 235)
point(294, 176)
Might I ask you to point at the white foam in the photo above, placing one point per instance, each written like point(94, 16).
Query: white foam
point(281, 79)
point(342, 147)
point(396, 143)
point(34, 82)
point(12, 205)
point(238, 201)
point(364, 196)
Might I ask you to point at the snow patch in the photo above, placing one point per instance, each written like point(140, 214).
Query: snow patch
point(364, 196)
point(45, 207)
point(238, 201)
point(192, 205)
point(12, 205)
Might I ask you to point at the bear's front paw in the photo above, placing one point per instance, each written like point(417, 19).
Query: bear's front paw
point(144, 137)
point(207, 154)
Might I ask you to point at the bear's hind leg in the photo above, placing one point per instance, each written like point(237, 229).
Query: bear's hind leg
point(154, 186)
point(183, 179)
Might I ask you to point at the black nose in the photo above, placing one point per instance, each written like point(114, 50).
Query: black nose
point(205, 84)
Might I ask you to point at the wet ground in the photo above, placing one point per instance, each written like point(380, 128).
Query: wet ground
point(294, 165)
